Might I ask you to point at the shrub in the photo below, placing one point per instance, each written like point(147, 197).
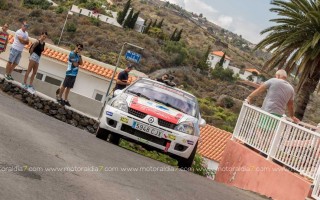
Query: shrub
point(35, 13)
point(199, 167)
point(71, 27)
point(59, 10)
point(4, 5)
point(95, 21)
point(42, 4)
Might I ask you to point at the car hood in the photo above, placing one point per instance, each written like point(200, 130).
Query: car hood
point(158, 110)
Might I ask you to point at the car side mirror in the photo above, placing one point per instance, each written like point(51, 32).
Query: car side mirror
point(203, 123)
point(117, 92)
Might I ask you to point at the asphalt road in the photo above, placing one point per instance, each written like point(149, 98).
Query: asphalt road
point(33, 144)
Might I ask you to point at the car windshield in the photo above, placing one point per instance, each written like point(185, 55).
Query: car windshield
point(168, 96)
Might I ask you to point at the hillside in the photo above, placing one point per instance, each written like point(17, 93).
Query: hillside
point(103, 42)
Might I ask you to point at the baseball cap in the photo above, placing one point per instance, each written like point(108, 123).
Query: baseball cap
point(130, 66)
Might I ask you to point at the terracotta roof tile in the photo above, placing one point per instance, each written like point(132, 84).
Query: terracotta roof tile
point(220, 54)
point(213, 142)
point(62, 57)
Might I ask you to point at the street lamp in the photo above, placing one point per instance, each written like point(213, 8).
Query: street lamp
point(114, 73)
point(69, 13)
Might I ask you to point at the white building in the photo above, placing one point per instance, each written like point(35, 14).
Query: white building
point(215, 56)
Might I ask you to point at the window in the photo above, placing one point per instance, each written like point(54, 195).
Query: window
point(39, 76)
point(49, 78)
point(53, 81)
point(98, 95)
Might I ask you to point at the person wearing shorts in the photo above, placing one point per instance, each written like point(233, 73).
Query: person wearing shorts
point(74, 61)
point(21, 39)
point(35, 53)
point(4, 37)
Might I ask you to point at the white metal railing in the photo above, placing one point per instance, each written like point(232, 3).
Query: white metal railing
point(294, 145)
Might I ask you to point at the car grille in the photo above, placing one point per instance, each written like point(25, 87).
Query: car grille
point(166, 124)
point(137, 113)
point(146, 136)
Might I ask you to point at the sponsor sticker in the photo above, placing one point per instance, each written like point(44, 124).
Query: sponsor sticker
point(190, 142)
point(124, 120)
point(109, 113)
point(184, 141)
point(172, 137)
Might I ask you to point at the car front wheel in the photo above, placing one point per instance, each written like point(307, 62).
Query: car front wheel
point(186, 163)
point(102, 134)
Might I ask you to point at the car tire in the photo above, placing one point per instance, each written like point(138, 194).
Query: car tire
point(186, 163)
point(114, 138)
point(102, 134)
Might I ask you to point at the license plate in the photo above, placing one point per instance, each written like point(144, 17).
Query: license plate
point(147, 129)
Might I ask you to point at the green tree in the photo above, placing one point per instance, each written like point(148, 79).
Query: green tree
point(154, 23)
point(173, 36)
point(222, 59)
point(203, 61)
point(122, 14)
point(178, 36)
point(128, 19)
point(159, 25)
point(134, 20)
point(296, 39)
point(146, 30)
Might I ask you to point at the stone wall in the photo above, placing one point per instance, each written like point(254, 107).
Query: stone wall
point(50, 108)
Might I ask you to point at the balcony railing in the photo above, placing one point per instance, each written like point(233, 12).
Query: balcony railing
point(296, 146)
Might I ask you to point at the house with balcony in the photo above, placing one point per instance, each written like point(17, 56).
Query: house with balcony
point(272, 156)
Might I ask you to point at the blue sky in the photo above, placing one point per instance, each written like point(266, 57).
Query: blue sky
point(244, 17)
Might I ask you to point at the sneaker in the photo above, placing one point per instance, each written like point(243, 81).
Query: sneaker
point(24, 86)
point(61, 101)
point(7, 77)
point(10, 77)
point(67, 103)
point(31, 89)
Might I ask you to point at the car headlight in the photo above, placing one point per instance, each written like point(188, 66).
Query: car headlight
point(120, 104)
point(185, 127)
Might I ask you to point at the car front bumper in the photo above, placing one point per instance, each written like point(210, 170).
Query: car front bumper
point(169, 141)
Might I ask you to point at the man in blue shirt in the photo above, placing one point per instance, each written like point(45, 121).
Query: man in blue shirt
point(74, 61)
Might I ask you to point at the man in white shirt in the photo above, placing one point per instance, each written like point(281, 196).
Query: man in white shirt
point(20, 40)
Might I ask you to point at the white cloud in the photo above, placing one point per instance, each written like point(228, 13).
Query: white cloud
point(236, 24)
point(224, 21)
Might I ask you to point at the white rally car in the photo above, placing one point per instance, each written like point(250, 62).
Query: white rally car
point(156, 116)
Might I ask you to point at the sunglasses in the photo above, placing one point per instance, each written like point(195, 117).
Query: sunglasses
point(26, 25)
point(79, 48)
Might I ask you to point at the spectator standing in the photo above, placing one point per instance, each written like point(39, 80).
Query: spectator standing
point(122, 79)
point(35, 53)
point(74, 61)
point(21, 39)
point(280, 95)
point(4, 37)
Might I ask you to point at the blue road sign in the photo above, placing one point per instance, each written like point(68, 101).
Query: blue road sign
point(133, 56)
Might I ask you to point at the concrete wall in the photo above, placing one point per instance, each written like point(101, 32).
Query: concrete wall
point(211, 165)
point(246, 169)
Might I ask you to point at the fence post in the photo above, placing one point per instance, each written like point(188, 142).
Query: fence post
point(240, 120)
point(277, 136)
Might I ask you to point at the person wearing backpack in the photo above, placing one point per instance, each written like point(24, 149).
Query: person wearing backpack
point(35, 51)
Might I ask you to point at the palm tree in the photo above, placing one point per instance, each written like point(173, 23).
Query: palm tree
point(295, 43)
